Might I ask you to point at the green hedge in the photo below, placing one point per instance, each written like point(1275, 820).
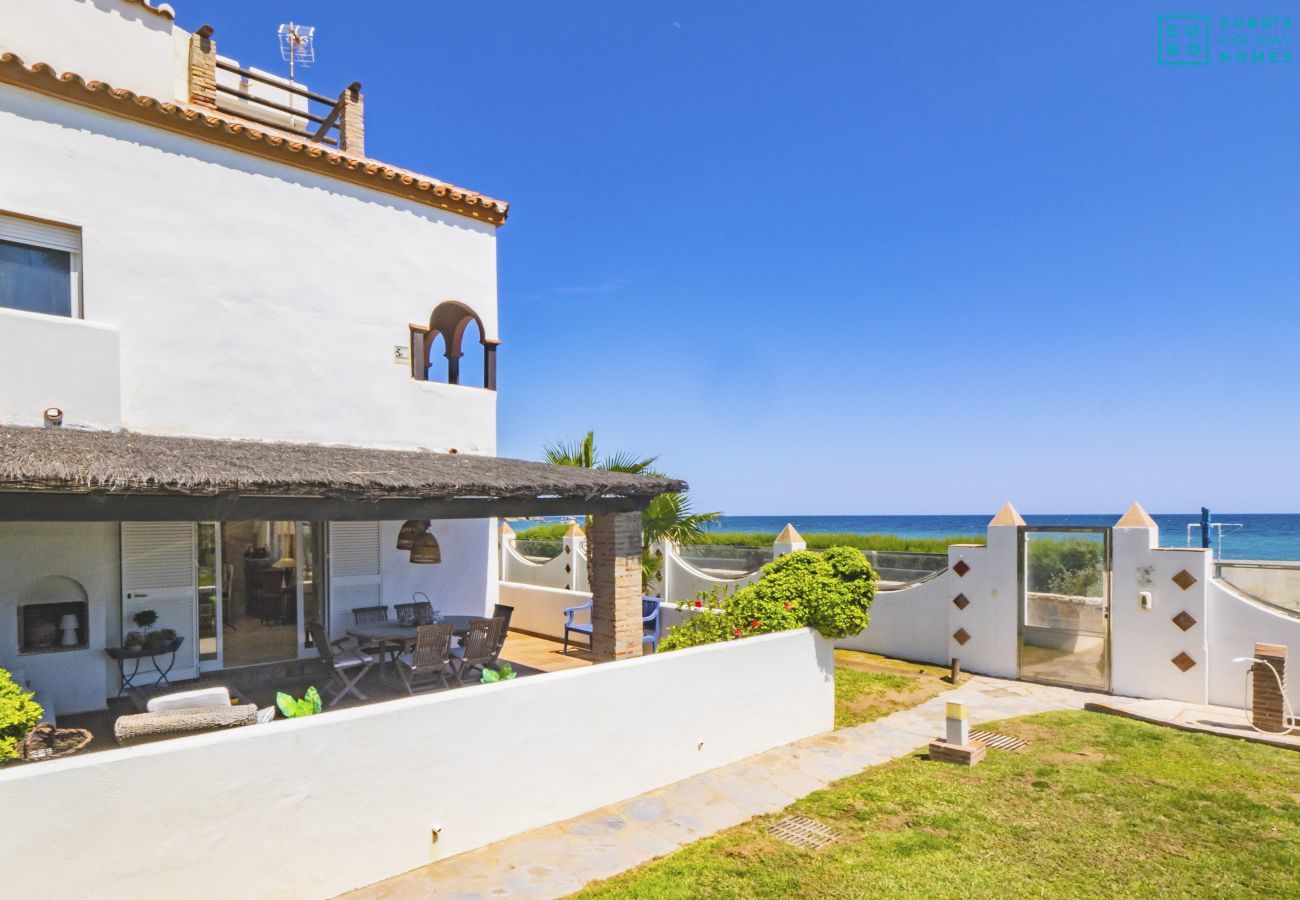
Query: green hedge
point(829, 591)
point(551, 532)
point(1070, 566)
point(818, 541)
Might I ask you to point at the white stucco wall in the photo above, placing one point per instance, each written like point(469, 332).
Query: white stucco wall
point(524, 754)
point(1236, 625)
point(77, 680)
point(551, 574)
point(992, 587)
point(253, 299)
point(540, 610)
point(681, 581)
point(1145, 641)
point(464, 583)
point(54, 361)
point(911, 623)
point(105, 40)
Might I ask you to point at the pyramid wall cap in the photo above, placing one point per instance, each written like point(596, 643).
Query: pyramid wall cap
point(1007, 515)
point(788, 536)
point(574, 531)
point(1136, 517)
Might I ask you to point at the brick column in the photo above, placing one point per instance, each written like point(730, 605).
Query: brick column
point(352, 130)
point(614, 542)
point(1267, 712)
point(203, 68)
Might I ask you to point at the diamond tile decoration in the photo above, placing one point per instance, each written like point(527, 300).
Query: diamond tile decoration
point(1184, 620)
point(961, 568)
point(1184, 579)
point(961, 636)
point(1183, 662)
point(960, 601)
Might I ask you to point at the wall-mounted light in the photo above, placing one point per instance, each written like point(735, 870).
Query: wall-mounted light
point(53, 417)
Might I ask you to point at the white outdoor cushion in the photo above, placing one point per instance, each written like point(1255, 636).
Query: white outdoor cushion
point(350, 658)
point(200, 699)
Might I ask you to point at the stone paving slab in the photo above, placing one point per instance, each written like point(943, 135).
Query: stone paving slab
point(1194, 717)
point(559, 859)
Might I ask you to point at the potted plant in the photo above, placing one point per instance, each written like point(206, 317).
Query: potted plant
point(134, 640)
point(161, 639)
point(292, 708)
point(505, 673)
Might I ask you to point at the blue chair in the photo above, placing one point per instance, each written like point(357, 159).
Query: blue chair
point(649, 623)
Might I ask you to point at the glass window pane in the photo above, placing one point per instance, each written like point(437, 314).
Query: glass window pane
point(209, 589)
point(35, 279)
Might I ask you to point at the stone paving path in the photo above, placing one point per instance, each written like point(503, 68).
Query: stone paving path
point(559, 859)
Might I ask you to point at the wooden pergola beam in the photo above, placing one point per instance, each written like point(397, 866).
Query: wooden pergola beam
point(47, 506)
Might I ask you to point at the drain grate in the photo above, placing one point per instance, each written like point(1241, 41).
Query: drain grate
point(995, 741)
point(803, 832)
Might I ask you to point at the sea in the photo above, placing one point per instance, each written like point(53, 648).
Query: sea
point(1245, 535)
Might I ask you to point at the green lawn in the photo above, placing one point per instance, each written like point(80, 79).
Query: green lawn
point(1095, 806)
point(869, 686)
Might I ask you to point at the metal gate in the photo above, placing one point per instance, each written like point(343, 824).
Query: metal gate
point(1064, 618)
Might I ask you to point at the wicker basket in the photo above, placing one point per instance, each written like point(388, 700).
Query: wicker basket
point(47, 742)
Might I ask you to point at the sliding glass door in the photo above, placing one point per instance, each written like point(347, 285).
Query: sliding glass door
point(260, 582)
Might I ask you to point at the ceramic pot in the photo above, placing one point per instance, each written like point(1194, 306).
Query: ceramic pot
point(41, 633)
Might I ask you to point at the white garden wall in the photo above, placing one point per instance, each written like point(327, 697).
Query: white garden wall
point(540, 610)
point(911, 623)
point(923, 622)
point(361, 790)
point(1236, 625)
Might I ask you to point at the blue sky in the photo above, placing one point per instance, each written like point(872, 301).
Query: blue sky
point(861, 257)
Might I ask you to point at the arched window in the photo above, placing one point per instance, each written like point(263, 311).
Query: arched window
point(450, 321)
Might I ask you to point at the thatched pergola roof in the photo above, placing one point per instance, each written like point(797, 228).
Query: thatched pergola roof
point(62, 473)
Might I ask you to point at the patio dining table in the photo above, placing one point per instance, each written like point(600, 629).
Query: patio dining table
point(401, 636)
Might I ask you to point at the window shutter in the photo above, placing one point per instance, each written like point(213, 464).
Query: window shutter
point(158, 573)
point(40, 234)
point(354, 571)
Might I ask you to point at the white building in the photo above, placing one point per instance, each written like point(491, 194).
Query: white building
point(193, 249)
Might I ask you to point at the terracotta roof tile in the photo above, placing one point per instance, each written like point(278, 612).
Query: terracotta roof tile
point(162, 9)
point(230, 130)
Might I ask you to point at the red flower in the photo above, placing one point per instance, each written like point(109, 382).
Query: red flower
point(755, 624)
point(698, 604)
point(736, 633)
point(787, 607)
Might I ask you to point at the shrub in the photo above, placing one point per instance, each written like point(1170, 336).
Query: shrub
point(19, 713)
point(1070, 566)
point(829, 591)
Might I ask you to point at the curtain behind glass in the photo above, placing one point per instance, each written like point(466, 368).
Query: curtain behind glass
point(35, 279)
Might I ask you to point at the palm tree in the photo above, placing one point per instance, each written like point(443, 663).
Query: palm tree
point(668, 516)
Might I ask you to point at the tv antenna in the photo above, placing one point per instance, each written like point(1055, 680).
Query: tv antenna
point(297, 45)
